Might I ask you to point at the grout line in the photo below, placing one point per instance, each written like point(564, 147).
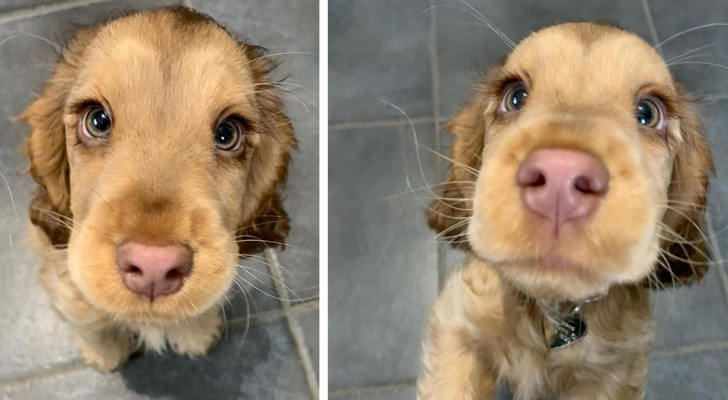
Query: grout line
point(59, 369)
point(268, 316)
point(435, 71)
point(41, 10)
point(382, 123)
point(691, 349)
point(293, 326)
point(651, 24)
point(717, 255)
point(371, 390)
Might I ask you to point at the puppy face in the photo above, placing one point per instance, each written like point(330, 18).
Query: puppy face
point(163, 142)
point(583, 146)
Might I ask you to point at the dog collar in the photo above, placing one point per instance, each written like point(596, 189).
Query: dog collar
point(562, 322)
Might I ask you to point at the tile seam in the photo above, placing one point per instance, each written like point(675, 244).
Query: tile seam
point(435, 81)
point(293, 327)
point(713, 242)
point(73, 365)
point(691, 349)
point(371, 390)
point(378, 123)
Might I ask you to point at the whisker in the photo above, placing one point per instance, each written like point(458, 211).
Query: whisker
point(12, 199)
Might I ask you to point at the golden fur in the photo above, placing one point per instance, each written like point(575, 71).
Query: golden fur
point(584, 81)
point(167, 77)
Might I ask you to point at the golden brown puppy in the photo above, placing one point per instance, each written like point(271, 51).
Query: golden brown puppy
point(578, 179)
point(159, 146)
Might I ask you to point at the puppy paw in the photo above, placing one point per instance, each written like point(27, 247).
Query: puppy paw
point(108, 352)
point(196, 337)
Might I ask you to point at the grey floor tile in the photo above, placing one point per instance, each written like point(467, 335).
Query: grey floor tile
point(31, 335)
point(694, 376)
point(465, 46)
point(714, 120)
point(691, 315)
point(294, 31)
point(300, 261)
point(259, 364)
point(400, 393)
point(378, 50)
point(83, 384)
point(309, 323)
point(681, 15)
point(19, 5)
point(382, 275)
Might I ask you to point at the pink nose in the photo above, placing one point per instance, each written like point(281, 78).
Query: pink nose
point(153, 270)
point(562, 185)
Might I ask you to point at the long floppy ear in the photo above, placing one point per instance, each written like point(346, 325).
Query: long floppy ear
point(46, 144)
point(684, 245)
point(449, 212)
point(269, 164)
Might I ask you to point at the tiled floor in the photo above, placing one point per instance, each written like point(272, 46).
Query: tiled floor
point(270, 352)
point(383, 261)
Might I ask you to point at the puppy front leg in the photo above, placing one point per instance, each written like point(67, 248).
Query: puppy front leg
point(195, 337)
point(455, 367)
point(105, 347)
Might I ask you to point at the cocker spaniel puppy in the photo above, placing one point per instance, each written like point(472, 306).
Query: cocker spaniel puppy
point(578, 180)
point(159, 147)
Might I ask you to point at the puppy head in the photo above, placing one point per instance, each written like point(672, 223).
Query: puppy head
point(579, 164)
point(159, 145)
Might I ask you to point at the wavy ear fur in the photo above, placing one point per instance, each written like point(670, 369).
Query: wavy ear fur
point(270, 225)
point(448, 213)
point(46, 144)
point(686, 252)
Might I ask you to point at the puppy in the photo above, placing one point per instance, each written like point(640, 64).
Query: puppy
point(159, 146)
point(578, 179)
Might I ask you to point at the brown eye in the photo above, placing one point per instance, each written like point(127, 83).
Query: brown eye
point(515, 98)
point(650, 113)
point(96, 123)
point(228, 135)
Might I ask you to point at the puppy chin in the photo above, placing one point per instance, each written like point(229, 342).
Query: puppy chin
point(553, 276)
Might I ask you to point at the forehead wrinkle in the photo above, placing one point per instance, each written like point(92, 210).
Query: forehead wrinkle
point(209, 77)
point(173, 83)
point(603, 72)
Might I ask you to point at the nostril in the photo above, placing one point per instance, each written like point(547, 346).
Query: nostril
point(583, 185)
point(174, 275)
point(588, 185)
point(134, 270)
point(531, 177)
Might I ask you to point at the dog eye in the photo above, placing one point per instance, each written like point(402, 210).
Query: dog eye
point(650, 114)
point(96, 123)
point(515, 98)
point(228, 135)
